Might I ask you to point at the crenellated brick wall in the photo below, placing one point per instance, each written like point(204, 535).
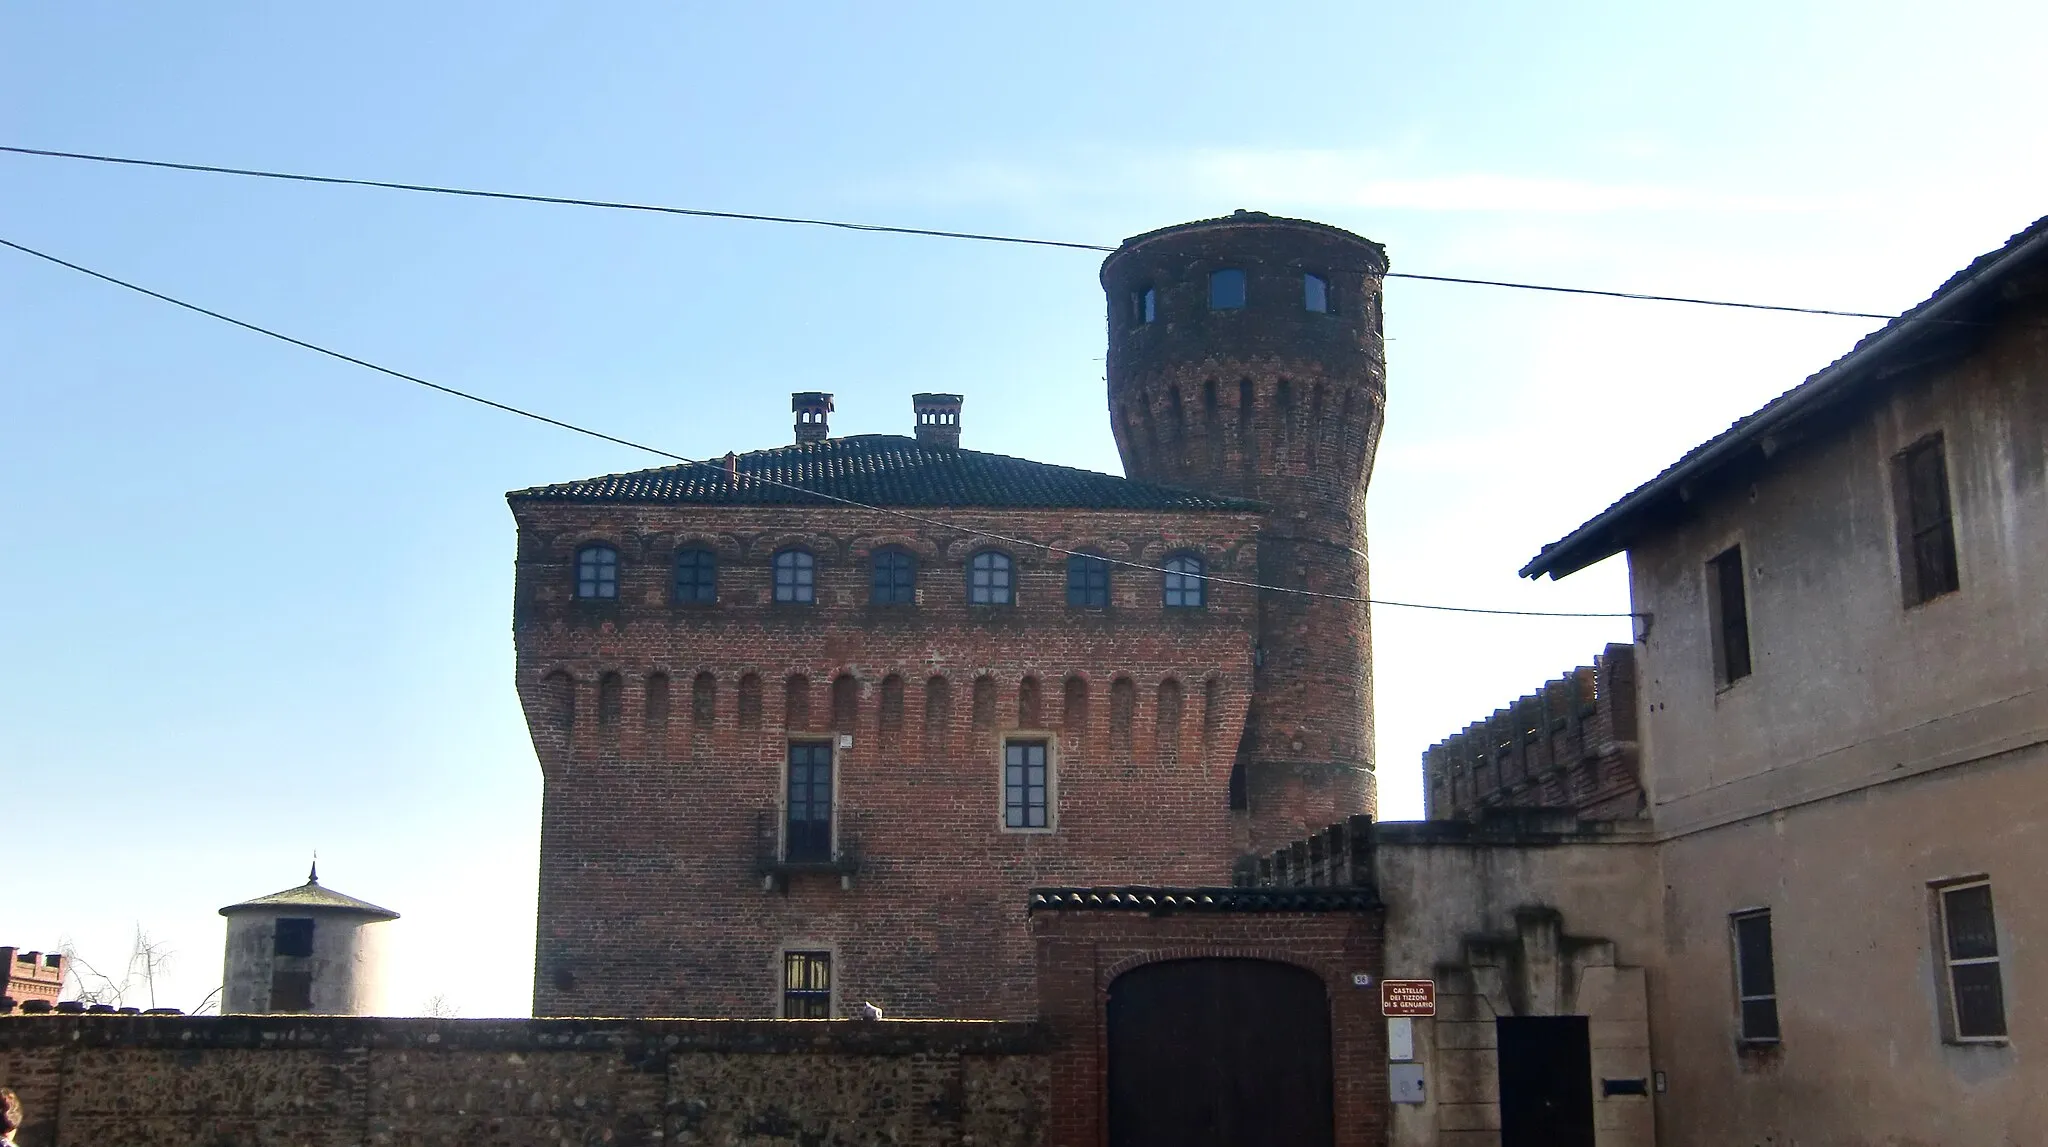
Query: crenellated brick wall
point(1571, 745)
point(662, 729)
point(323, 1081)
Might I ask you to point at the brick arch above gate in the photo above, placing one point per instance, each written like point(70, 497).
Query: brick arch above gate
point(1322, 969)
point(1087, 938)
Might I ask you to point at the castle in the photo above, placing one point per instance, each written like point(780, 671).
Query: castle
point(813, 723)
point(885, 721)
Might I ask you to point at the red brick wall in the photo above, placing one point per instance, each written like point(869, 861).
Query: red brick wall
point(651, 899)
point(1283, 405)
point(1570, 745)
point(1080, 953)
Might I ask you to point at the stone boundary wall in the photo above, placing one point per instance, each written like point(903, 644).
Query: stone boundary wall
point(330, 1081)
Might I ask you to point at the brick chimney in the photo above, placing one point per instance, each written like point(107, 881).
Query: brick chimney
point(812, 407)
point(938, 420)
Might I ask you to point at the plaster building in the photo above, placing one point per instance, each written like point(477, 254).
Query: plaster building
point(811, 725)
point(1829, 903)
point(306, 949)
point(1772, 872)
point(1844, 701)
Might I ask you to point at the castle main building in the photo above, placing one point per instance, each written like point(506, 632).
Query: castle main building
point(811, 724)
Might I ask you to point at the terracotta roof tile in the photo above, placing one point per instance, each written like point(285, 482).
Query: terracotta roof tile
point(882, 470)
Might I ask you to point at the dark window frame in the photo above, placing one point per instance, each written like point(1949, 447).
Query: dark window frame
point(1182, 588)
point(1924, 507)
point(809, 802)
point(1728, 615)
point(295, 940)
point(1756, 977)
point(802, 583)
point(1972, 966)
point(806, 984)
point(992, 592)
point(1144, 306)
point(892, 577)
point(700, 587)
point(1087, 581)
point(1243, 292)
point(1028, 791)
point(1313, 282)
point(600, 580)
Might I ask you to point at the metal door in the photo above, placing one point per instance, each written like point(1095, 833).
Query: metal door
point(1219, 1053)
point(1546, 1081)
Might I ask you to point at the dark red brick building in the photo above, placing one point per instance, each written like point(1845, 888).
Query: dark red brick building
point(813, 722)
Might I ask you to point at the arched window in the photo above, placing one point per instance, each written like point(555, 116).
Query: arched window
point(1226, 289)
point(1087, 582)
point(989, 579)
point(895, 578)
point(1184, 582)
point(597, 573)
point(696, 576)
point(795, 577)
point(1315, 294)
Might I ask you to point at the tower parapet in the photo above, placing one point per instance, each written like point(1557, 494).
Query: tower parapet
point(1246, 359)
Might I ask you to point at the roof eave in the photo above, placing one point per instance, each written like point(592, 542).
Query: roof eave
point(1608, 534)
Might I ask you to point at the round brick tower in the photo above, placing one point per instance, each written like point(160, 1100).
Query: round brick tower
point(1245, 358)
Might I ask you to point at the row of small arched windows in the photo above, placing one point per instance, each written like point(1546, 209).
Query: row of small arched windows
point(1228, 292)
point(991, 578)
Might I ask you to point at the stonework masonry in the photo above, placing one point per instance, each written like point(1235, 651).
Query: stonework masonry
point(1081, 952)
point(306, 1081)
point(31, 975)
point(1177, 735)
point(1282, 404)
point(662, 729)
point(1570, 745)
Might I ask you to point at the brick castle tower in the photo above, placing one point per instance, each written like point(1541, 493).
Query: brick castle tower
point(1246, 359)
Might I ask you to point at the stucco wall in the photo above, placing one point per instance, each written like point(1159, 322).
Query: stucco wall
point(1851, 687)
point(1875, 749)
point(349, 963)
point(245, 1081)
point(1862, 1060)
point(1525, 922)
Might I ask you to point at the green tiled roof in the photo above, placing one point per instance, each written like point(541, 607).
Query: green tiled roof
point(310, 896)
point(882, 470)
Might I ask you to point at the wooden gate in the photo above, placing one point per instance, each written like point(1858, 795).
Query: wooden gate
point(1219, 1053)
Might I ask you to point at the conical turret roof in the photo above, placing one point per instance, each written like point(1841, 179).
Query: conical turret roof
point(310, 896)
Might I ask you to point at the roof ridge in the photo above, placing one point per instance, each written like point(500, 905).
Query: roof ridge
point(1552, 558)
point(883, 471)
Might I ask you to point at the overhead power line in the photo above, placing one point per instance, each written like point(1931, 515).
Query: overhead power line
point(719, 466)
point(982, 237)
point(555, 200)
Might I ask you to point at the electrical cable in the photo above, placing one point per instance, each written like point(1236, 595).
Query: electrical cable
point(704, 213)
point(719, 467)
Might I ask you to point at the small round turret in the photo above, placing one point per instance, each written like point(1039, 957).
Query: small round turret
point(306, 949)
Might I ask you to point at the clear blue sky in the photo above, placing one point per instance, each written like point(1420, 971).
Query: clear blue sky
point(258, 603)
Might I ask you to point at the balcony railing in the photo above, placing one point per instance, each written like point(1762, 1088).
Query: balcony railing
point(776, 862)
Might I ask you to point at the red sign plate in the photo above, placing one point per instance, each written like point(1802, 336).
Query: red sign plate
point(1416, 998)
